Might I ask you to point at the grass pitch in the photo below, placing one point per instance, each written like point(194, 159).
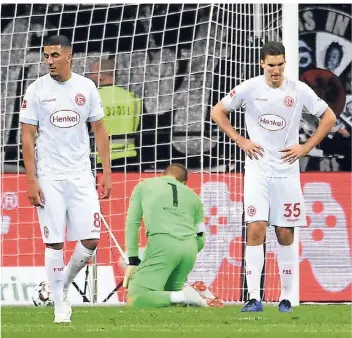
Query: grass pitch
point(121, 322)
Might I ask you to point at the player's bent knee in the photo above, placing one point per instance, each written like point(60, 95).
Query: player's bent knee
point(55, 246)
point(285, 236)
point(256, 232)
point(90, 244)
point(135, 301)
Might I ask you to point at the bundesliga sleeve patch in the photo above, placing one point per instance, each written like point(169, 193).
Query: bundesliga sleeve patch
point(24, 104)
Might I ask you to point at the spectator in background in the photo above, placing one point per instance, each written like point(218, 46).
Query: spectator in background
point(347, 79)
point(333, 56)
point(122, 113)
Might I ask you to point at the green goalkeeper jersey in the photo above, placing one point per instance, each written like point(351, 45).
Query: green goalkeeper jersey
point(167, 207)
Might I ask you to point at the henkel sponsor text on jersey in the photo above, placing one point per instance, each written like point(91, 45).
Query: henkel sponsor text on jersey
point(272, 118)
point(61, 111)
point(271, 122)
point(64, 118)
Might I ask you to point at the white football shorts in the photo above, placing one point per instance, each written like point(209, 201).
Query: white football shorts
point(276, 200)
point(73, 202)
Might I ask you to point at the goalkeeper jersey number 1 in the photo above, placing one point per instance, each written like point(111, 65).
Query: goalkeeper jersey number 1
point(167, 207)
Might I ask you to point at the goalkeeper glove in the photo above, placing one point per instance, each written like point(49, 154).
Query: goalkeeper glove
point(130, 270)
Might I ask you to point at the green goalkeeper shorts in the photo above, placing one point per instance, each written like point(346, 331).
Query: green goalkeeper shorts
point(166, 265)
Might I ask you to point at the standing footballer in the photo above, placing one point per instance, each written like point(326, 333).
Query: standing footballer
point(55, 144)
point(272, 190)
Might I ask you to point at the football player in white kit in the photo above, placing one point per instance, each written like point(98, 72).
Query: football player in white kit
point(272, 190)
point(54, 115)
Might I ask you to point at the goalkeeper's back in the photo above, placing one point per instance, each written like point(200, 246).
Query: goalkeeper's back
point(167, 206)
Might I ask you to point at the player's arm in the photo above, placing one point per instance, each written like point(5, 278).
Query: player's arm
point(102, 141)
point(29, 123)
point(318, 108)
point(34, 192)
point(96, 120)
point(326, 123)
point(219, 114)
point(133, 223)
point(29, 132)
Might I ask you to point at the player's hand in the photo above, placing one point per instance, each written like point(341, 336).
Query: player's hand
point(130, 270)
point(293, 153)
point(105, 186)
point(250, 148)
point(35, 193)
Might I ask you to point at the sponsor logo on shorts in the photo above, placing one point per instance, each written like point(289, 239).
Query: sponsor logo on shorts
point(292, 220)
point(261, 99)
point(24, 104)
point(59, 269)
point(46, 231)
point(9, 201)
point(53, 99)
point(64, 118)
point(80, 100)
point(271, 122)
point(288, 101)
point(251, 210)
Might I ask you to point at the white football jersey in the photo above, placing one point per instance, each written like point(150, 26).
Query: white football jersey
point(61, 111)
point(272, 118)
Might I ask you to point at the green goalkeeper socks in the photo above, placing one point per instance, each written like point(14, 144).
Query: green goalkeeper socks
point(150, 299)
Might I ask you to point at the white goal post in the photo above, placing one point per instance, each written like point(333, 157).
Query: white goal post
point(291, 42)
point(176, 61)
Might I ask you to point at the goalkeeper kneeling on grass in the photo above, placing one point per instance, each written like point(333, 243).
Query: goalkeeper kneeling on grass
point(174, 218)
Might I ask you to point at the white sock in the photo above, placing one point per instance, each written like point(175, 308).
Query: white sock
point(254, 257)
point(177, 297)
point(54, 265)
point(285, 257)
point(80, 257)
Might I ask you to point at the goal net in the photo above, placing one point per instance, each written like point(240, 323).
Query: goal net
point(171, 63)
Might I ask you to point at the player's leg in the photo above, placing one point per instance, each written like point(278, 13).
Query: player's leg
point(52, 219)
point(146, 287)
point(256, 208)
point(179, 275)
point(285, 258)
point(176, 282)
point(84, 224)
point(162, 256)
point(286, 195)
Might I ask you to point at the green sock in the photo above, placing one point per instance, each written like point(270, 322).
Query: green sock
point(150, 299)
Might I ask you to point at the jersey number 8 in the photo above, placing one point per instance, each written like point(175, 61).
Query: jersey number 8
point(174, 194)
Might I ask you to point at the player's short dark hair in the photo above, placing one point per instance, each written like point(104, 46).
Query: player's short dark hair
point(177, 170)
point(57, 40)
point(272, 48)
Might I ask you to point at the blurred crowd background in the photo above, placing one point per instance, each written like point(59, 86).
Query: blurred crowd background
point(158, 65)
